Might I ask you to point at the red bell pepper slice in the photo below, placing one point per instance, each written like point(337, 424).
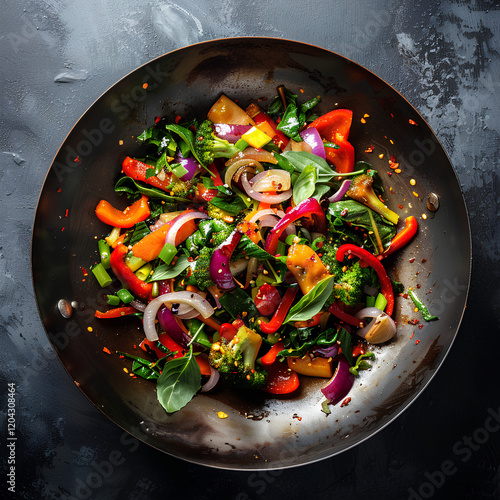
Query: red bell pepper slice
point(304, 208)
point(334, 126)
point(126, 276)
point(342, 157)
point(137, 170)
point(227, 331)
point(212, 168)
point(402, 238)
point(343, 316)
point(281, 379)
point(270, 357)
point(137, 212)
point(171, 344)
point(314, 321)
point(372, 261)
point(117, 312)
point(280, 313)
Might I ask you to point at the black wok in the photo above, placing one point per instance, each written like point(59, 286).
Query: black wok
point(260, 432)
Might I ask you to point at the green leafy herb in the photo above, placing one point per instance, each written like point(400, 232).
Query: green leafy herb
point(325, 408)
point(361, 363)
point(305, 184)
point(344, 339)
point(149, 370)
point(301, 340)
point(237, 302)
point(165, 272)
point(132, 187)
point(179, 381)
point(311, 303)
point(301, 159)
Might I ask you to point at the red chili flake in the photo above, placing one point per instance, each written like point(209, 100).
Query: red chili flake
point(393, 164)
point(157, 119)
point(106, 350)
point(418, 286)
point(370, 149)
point(391, 190)
point(297, 417)
point(405, 295)
point(412, 335)
point(177, 118)
point(62, 229)
point(417, 342)
point(345, 402)
point(144, 85)
point(59, 190)
point(381, 199)
point(420, 327)
point(392, 116)
point(389, 173)
point(416, 321)
point(424, 261)
point(412, 122)
point(77, 160)
point(412, 260)
point(66, 213)
point(344, 212)
point(84, 271)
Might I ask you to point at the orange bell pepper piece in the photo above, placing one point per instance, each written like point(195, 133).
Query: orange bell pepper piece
point(137, 212)
point(149, 247)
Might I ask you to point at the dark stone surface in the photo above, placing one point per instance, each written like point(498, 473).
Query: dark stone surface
point(58, 57)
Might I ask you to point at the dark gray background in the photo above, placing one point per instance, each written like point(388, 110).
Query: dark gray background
point(58, 57)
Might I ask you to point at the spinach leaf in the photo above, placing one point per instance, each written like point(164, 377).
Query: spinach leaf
point(303, 339)
point(149, 370)
point(344, 338)
point(311, 303)
point(237, 302)
point(131, 187)
point(345, 215)
point(165, 272)
point(179, 381)
point(305, 185)
point(233, 205)
point(140, 230)
point(301, 159)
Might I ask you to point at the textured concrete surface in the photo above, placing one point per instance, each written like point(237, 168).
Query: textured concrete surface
point(58, 57)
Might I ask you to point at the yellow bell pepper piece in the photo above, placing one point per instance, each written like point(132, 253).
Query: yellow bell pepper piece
point(312, 367)
point(256, 138)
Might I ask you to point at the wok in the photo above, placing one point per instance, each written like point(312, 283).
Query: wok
point(261, 432)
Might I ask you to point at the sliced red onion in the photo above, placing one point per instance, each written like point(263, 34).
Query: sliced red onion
point(260, 155)
point(272, 180)
point(212, 381)
point(312, 137)
point(169, 325)
point(220, 271)
point(327, 352)
point(191, 298)
point(267, 198)
point(192, 313)
point(341, 192)
point(179, 221)
point(340, 384)
point(190, 164)
point(380, 329)
point(230, 133)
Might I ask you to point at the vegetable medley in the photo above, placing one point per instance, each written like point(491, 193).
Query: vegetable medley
point(252, 250)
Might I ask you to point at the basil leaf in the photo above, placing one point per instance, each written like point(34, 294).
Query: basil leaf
point(320, 191)
point(131, 186)
point(311, 303)
point(249, 249)
point(237, 302)
point(301, 159)
point(179, 381)
point(305, 184)
point(303, 339)
point(165, 272)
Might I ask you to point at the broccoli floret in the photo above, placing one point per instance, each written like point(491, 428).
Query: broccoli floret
point(201, 270)
point(218, 237)
point(219, 214)
point(208, 146)
point(349, 280)
point(235, 359)
point(350, 287)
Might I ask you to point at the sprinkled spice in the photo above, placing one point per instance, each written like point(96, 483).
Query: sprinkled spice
point(345, 402)
point(106, 350)
point(90, 329)
point(221, 414)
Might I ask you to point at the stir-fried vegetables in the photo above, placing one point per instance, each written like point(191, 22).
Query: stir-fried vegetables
point(251, 246)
